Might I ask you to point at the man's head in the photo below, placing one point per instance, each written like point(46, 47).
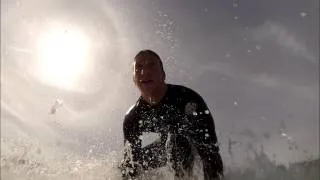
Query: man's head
point(148, 72)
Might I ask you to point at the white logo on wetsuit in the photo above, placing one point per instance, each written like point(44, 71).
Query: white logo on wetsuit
point(148, 138)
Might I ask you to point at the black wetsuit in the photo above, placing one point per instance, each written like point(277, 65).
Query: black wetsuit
point(183, 122)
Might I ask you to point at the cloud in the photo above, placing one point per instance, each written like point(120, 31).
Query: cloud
point(261, 79)
point(265, 80)
point(272, 31)
point(308, 92)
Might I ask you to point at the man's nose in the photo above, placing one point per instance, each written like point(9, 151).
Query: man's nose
point(145, 72)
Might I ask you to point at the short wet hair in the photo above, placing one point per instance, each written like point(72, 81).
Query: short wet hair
point(148, 52)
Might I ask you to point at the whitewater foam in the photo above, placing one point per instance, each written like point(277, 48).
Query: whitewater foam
point(24, 160)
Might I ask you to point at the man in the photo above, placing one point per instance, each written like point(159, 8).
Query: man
point(177, 115)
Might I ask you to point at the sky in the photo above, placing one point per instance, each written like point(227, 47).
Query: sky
point(256, 64)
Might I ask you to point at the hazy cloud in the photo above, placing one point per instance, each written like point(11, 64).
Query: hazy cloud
point(273, 31)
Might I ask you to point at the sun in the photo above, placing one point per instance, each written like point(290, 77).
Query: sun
point(62, 57)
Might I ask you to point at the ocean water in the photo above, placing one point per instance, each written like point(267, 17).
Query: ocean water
point(24, 157)
point(25, 161)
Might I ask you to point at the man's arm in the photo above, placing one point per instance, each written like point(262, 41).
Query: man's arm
point(130, 164)
point(204, 137)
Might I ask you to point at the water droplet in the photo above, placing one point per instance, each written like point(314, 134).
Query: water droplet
point(206, 135)
point(263, 118)
point(249, 50)
point(258, 47)
point(206, 111)
point(235, 103)
point(235, 17)
point(194, 113)
point(228, 55)
point(145, 163)
point(303, 14)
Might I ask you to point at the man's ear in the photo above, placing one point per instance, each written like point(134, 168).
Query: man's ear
point(133, 80)
point(163, 76)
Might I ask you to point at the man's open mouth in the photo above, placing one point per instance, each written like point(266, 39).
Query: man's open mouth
point(145, 81)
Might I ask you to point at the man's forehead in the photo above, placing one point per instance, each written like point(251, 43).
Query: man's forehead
point(145, 58)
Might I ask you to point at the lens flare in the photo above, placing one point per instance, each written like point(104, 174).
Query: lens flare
point(62, 57)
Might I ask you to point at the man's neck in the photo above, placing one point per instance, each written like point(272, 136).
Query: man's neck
point(156, 96)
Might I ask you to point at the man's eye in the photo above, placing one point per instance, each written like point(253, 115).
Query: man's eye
point(138, 67)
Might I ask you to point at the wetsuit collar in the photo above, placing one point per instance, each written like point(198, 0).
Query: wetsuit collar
point(141, 100)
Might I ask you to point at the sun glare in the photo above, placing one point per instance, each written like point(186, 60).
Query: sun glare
point(62, 57)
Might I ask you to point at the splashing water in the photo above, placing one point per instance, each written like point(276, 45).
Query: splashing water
point(22, 159)
point(25, 157)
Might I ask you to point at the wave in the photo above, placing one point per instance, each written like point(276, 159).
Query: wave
point(26, 156)
point(25, 160)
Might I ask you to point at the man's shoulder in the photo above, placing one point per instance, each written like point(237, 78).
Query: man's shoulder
point(183, 90)
point(189, 100)
point(132, 111)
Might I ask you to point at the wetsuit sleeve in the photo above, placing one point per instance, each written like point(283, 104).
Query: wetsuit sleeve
point(204, 138)
point(130, 165)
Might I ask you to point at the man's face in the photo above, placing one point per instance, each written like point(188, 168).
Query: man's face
point(148, 74)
